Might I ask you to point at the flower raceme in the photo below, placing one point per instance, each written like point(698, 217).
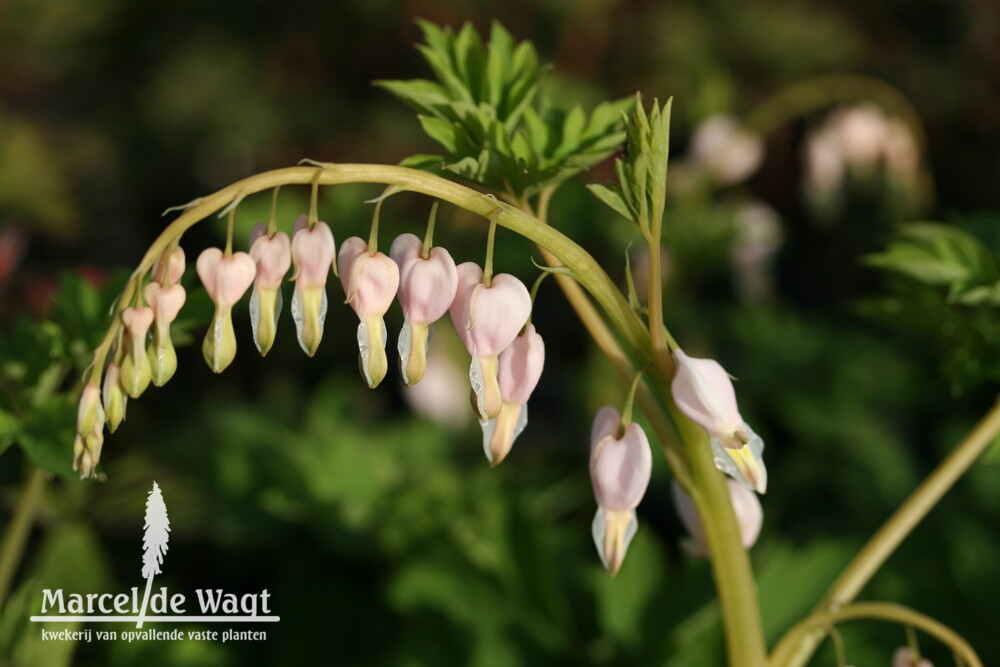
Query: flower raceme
point(226, 280)
point(427, 287)
point(519, 368)
point(488, 319)
point(370, 281)
point(620, 467)
point(272, 254)
point(313, 250)
point(746, 506)
point(703, 392)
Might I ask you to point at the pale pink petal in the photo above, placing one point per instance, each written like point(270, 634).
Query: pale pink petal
point(427, 287)
point(351, 250)
point(175, 266)
point(520, 366)
point(497, 313)
point(606, 424)
point(226, 279)
point(273, 256)
point(166, 302)
point(137, 321)
point(469, 277)
point(703, 391)
point(620, 469)
point(313, 251)
point(746, 506)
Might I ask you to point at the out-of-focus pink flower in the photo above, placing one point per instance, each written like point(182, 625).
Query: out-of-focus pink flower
point(725, 149)
point(488, 320)
point(273, 256)
point(620, 468)
point(370, 281)
point(166, 302)
point(226, 280)
point(442, 394)
point(749, 516)
point(313, 250)
point(903, 657)
point(518, 371)
point(136, 370)
point(427, 287)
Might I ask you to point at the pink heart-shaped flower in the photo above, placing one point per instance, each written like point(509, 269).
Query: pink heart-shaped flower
point(273, 256)
point(489, 318)
point(370, 281)
point(137, 321)
point(520, 366)
point(313, 251)
point(426, 286)
point(166, 302)
point(704, 392)
point(170, 267)
point(226, 279)
point(620, 469)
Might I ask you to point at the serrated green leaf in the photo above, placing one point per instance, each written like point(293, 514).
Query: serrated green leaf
point(572, 131)
point(442, 67)
point(498, 63)
point(424, 161)
point(470, 61)
point(612, 199)
point(425, 96)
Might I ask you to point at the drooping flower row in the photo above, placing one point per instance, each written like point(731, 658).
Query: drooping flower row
point(490, 313)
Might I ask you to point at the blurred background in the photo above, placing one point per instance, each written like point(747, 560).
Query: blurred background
point(804, 134)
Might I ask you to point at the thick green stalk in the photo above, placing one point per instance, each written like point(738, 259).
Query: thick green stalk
point(16, 535)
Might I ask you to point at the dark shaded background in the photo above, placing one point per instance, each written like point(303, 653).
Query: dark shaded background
point(383, 537)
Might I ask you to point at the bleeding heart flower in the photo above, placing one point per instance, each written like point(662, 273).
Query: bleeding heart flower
point(136, 371)
point(620, 468)
point(226, 280)
point(518, 371)
point(903, 657)
point(169, 267)
point(166, 302)
point(89, 431)
point(313, 250)
point(273, 256)
point(703, 391)
point(488, 320)
point(115, 398)
point(427, 287)
point(370, 281)
point(749, 517)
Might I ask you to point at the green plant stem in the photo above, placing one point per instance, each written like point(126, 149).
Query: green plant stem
point(893, 613)
point(794, 650)
point(16, 535)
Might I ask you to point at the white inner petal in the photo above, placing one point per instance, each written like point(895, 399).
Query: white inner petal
point(363, 347)
point(725, 463)
point(403, 348)
point(597, 531)
point(255, 314)
point(476, 380)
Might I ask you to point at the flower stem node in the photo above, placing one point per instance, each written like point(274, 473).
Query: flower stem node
point(273, 257)
point(427, 287)
point(620, 468)
point(518, 371)
point(89, 431)
point(136, 370)
point(115, 398)
point(226, 280)
point(166, 302)
point(488, 319)
point(370, 281)
point(746, 506)
point(313, 250)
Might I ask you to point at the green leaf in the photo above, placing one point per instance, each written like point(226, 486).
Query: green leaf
point(441, 131)
point(425, 96)
point(498, 63)
point(937, 254)
point(9, 427)
point(611, 198)
point(423, 161)
point(47, 435)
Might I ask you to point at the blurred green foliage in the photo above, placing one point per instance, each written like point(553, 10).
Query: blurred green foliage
point(383, 537)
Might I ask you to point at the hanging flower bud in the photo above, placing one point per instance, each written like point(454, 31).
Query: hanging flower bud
point(903, 657)
point(518, 369)
point(273, 255)
point(166, 302)
point(115, 398)
point(169, 267)
point(136, 371)
point(427, 288)
point(370, 282)
point(226, 279)
point(313, 250)
point(620, 468)
point(703, 391)
point(749, 517)
point(488, 320)
point(89, 432)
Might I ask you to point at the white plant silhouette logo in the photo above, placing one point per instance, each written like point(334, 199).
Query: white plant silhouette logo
point(154, 542)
